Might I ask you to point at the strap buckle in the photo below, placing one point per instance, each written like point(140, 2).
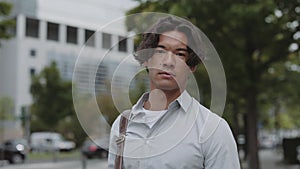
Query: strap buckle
point(120, 139)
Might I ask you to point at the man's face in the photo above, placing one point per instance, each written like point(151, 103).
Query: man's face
point(168, 70)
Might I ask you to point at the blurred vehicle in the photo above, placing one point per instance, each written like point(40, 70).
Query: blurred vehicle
point(97, 148)
point(241, 140)
point(49, 141)
point(298, 153)
point(268, 141)
point(14, 151)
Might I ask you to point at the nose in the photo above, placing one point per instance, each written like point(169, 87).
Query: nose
point(168, 60)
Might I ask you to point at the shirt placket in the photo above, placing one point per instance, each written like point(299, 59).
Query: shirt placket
point(142, 163)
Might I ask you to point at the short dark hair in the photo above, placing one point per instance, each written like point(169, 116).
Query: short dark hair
point(150, 39)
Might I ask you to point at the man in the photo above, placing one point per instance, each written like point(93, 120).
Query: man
point(167, 128)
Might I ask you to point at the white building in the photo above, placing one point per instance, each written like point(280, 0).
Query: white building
point(48, 30)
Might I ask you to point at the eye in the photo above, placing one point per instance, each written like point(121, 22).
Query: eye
point(181, 55)
point(159, 51)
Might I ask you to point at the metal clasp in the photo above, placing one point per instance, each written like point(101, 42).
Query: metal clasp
point(120, 139)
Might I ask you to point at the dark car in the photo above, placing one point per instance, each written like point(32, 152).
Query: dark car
point(14, 151)
point(96, 148)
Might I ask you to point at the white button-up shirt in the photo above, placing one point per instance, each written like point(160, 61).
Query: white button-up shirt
point(187, 136)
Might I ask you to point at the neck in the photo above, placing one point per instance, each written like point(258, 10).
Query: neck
point(160, 100)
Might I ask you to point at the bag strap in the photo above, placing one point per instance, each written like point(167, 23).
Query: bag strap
point(121, 139)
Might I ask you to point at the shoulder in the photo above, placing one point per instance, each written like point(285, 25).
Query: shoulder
point(216, 140)
point(210, 124)
point(116, 123)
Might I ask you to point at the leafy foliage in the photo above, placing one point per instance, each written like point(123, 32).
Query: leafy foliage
point(140, 87)
point(51, 96)
point(6, 24)
point(6, 108)
point(52, 107)
point(251, 37)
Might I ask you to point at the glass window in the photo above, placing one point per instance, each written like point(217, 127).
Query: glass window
point(71, 35)
point(32, 52)
point(32, 28)
point(101, 78)
point(122, 44)
point(89, 38)
point(32, 71)
point(106, 41)
point(52, 31)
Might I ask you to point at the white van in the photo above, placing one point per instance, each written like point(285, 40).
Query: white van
point(49, 141)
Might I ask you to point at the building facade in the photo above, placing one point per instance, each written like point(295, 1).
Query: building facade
point(61, 31)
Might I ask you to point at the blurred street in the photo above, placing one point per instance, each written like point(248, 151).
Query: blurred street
point(272, 159)
point(269, 159)
point(73, 164)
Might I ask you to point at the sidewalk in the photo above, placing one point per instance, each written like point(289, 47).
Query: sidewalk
point(272, 159)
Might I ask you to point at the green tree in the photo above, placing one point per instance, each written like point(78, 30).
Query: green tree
point(6, 108)
point(71, 129)
point(51, 96)
point(250, 37)
point(52, 107)
point(6, 113)
point(6, 24)
point(283, 96)
point(140, 87)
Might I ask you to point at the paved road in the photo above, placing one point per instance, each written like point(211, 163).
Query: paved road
point(272, 159)
point(91, 164)
point(269, 159)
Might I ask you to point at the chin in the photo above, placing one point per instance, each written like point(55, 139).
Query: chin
point(168, 87)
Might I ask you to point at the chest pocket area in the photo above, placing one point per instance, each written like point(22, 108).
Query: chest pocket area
point(183, 156)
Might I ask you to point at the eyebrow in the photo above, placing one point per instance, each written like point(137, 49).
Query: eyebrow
point(178, 49)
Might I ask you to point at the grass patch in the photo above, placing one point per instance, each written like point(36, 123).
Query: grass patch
point(48, 156)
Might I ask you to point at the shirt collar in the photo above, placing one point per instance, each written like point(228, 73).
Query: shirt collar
point(183, 100)
point(139, 104)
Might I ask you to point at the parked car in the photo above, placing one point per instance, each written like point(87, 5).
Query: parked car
point(97, 148)
point(241, 140)
point(268, 141)
point(14, 151)
point(49, 141)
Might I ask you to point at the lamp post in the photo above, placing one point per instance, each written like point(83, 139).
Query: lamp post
point(25, 117)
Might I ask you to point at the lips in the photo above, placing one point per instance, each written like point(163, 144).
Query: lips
point(166, 74)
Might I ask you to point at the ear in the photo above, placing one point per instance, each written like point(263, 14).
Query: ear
point(193, 69)
point(145, 63)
